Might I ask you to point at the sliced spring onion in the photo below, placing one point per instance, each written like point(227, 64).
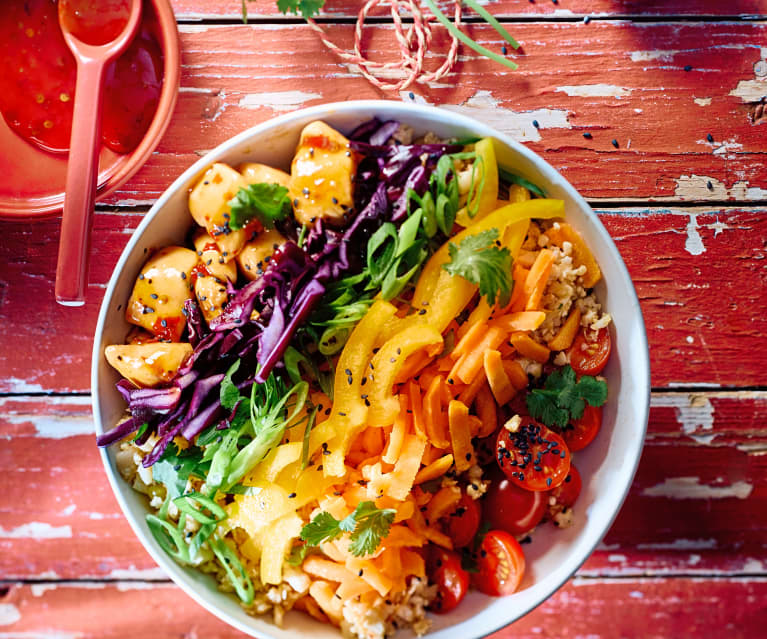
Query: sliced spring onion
point(488, 17)
point(239, 577)
point(512, 178)
point(466, 39)
point(171, 539)
point(193, 504)
point(307, 433)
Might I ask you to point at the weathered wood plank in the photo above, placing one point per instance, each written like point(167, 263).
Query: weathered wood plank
point(595, 608)
point(698, 503)
point(699, 274)
point(562, 9)
point(614, 80)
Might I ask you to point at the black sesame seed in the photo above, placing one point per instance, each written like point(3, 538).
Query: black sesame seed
point(548, 482)
point(292, 496)
point(614, 143)
point(709, 186)
point(536, 124)
point(422, 311)
point(411, 95)
point(710, 137)
point(468, 456)
point(688, 67)
point(587, 135)
point(504, 50)
point(586, 19)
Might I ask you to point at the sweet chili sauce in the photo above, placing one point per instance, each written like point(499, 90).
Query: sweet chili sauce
point(95, 22)
point(38, 83)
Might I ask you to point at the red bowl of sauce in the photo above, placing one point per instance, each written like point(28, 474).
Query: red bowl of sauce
point(36, 100)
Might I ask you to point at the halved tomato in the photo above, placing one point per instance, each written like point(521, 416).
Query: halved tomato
point(452, 580)
point(581, 432)
point(567, 492)
point(511, 508)
point(534, 457)
point(590, 357)
point(501, 564)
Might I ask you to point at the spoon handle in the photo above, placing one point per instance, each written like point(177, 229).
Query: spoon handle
point(82, 175)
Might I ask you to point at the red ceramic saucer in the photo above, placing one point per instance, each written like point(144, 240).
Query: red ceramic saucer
point(32, 180)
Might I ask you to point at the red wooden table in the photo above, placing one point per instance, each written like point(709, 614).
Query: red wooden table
point(688, 554)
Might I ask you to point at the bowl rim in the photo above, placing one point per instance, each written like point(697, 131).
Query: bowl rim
point(640, 367)
point(46, 206)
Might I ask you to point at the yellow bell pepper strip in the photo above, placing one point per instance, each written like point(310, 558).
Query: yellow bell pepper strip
point(440, 297)
point(485, 185)
point(500, 219)
point(277, 543)
point(349, 409)
point(387, 363)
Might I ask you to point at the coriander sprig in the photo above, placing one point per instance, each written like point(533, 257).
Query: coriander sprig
point(266, 203)
point(563, 398)
point(479, 260)
point(368, 525)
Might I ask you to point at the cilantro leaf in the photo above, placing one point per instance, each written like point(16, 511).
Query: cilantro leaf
point(324, 527)
point(592, 390)
point(264, 202)
point(481, 262)
point(373, 526)
point(563, 398)
point(307, 8)
point(367, 525)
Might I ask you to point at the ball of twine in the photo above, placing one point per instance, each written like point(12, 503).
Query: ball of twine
point(413, 41)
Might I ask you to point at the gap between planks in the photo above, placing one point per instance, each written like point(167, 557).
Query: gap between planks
point(504, 19)
point(710, 391)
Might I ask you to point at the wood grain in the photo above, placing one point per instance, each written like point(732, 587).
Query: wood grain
point(617, 81)
point(688, 266)
point(697, 505)
point(604, 608)
point(545, 9)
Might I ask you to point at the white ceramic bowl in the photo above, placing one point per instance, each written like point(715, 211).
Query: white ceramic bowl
point(607, 465)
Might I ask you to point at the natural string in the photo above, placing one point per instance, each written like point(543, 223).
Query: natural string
point(413, 44)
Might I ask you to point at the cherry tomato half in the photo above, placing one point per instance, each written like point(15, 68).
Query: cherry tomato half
point(452, 580)
point(501, 564)
point(581, 432)
point(511, 508)
point(462, 524)
point(533, 457)
point(590, 357)
point(567, 492)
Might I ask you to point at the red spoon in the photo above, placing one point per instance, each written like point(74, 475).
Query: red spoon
point(96, 31)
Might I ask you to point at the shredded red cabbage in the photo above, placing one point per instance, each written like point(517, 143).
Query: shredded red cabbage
point(262, 317)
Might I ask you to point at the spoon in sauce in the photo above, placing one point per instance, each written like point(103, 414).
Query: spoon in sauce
point(96, 31)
